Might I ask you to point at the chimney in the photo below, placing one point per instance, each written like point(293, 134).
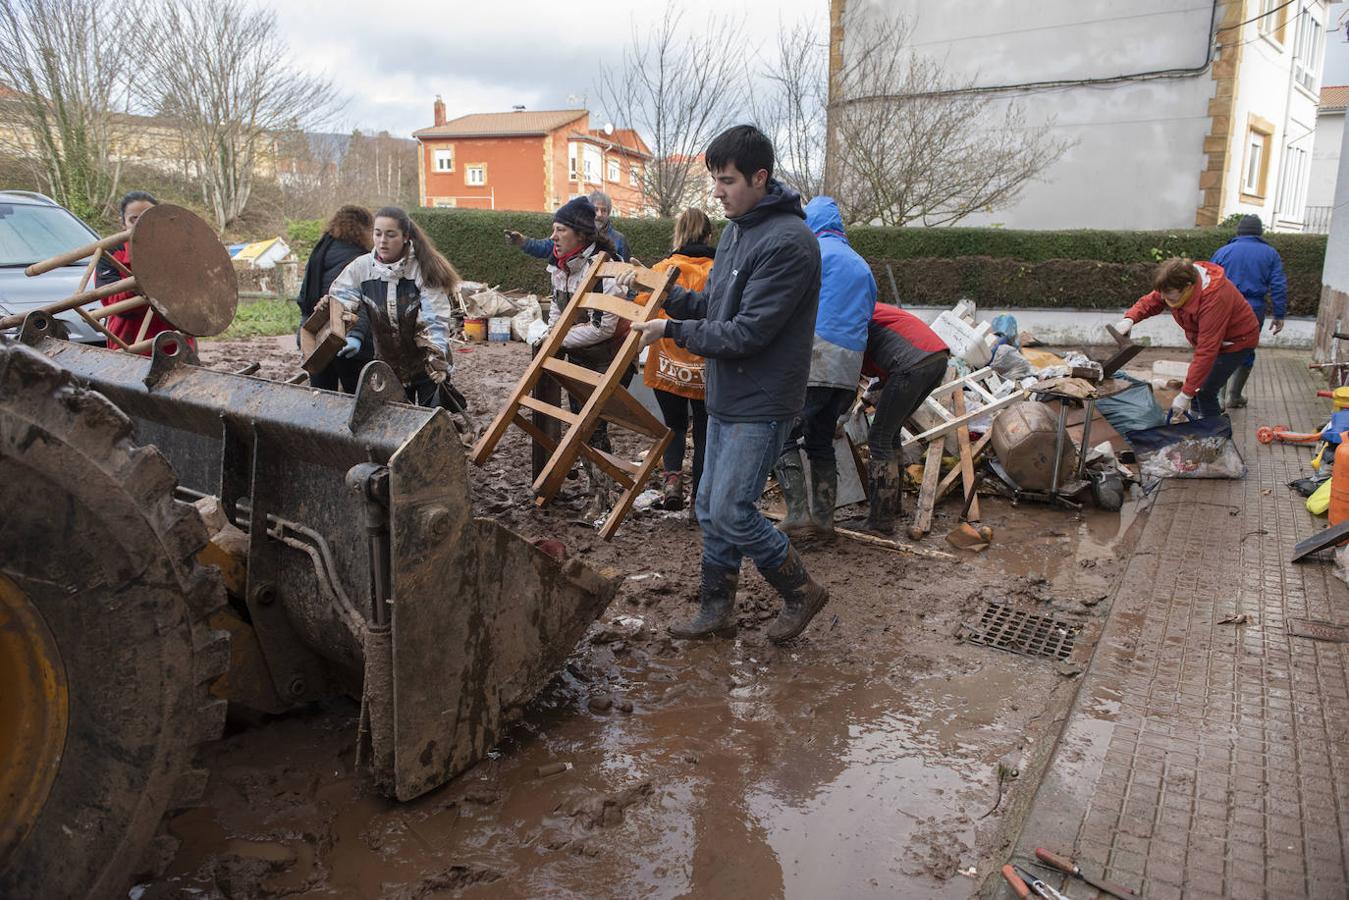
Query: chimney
point(440, 110)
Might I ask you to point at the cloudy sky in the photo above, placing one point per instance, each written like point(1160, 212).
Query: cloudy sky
point(390, 59)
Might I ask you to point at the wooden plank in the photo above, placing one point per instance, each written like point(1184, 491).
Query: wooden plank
point(956, 422)
point(966, 465)
point(649, 279)
point(927, 494)
point(571, 370)
point(624, 309)
point(624, 504)
point(950, 477)
point(548, 409)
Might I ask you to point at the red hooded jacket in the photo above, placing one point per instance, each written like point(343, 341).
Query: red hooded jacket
point(1216, 319)
point(128, 325)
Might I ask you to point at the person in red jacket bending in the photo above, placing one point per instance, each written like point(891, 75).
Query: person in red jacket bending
point(1217, 322)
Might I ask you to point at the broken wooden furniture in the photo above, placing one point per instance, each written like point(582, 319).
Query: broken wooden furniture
point(990, 394)
point(183, 272)
point(322, 335)
point(601, 395)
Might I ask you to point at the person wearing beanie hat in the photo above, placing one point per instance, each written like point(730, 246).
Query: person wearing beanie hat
point(1257, 271)
point(593, 338)
point(542, 248)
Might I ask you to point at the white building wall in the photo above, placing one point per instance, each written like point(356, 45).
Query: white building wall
point(1138, 145)
point(1325, 159)
point(1268, 95)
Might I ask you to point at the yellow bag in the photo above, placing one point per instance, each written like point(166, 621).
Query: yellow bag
point(1319, 501)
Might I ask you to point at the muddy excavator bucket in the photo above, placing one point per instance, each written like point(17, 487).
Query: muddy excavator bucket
point(366, 570)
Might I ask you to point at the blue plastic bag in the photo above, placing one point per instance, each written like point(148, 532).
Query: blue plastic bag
point(1200, 448)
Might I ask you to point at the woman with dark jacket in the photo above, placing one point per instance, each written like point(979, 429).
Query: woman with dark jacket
point(346, 236)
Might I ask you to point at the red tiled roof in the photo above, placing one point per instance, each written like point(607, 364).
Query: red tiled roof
point(624, 140)
point(505, 124)
point(1335, 96)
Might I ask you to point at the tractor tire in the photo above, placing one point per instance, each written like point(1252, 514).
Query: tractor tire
point(106, 658)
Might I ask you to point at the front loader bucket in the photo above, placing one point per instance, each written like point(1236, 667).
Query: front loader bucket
point(366, 573)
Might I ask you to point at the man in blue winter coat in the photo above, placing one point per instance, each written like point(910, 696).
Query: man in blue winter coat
point(847, 300)
point(1255, 268)
point(754, 324)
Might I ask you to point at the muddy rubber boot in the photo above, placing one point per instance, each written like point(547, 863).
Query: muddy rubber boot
point(672, 490)
point(802, 597)
point(884, 495)
point(823, 498)
point(1235, 385)
point(716, 606)
point(791, 478)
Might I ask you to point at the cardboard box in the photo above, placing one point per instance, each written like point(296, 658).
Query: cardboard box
point(322, 335)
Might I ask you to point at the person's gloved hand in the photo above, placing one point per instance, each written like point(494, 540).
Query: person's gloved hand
point(1179, 406)
point(650, 331)
point(514, 238)
point(1123, 325)
point(352, 347)
point(1276, 326)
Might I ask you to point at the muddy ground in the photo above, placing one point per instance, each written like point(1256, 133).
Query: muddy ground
point(876, 756)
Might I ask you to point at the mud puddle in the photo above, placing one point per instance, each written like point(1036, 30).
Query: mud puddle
point(862, 761)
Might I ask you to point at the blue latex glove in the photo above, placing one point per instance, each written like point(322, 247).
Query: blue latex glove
point(351, 349)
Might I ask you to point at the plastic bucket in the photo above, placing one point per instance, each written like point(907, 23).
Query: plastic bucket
point(499, 330)
point(475, 329)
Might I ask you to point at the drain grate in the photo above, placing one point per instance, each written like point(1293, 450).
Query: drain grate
point(1027, 634)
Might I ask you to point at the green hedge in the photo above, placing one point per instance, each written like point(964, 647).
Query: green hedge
point(931, 266)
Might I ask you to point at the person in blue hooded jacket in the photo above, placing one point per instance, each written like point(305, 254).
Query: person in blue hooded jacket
point(847, 301)
point(1257, 271)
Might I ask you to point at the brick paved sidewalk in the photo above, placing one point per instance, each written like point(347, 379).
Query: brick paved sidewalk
point(1206, 760)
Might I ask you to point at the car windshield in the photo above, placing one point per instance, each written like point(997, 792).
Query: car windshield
point(29, 233)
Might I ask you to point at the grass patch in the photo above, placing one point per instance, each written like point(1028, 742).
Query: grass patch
point(264, 318)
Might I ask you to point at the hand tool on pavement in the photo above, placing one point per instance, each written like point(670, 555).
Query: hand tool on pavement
point(1063, 864)
point(1018, 886)
point(1039, 887)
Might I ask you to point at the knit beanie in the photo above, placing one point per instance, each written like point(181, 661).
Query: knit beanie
point(577, 214)
point(1250, 225)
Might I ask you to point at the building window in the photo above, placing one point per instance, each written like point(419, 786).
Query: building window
point(634, 176)
point(614, 171)
point(1307, 51)
point(475, 175)
point(1255, 171)
point(1273, 16)
point(1293, 183)
point(443, 160)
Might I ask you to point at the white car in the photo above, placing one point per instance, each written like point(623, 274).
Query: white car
point(34, 228)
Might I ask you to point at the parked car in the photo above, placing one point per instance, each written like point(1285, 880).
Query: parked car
point(33, 228)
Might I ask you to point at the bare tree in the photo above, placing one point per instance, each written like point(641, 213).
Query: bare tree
point(678, 91)
point(218, 70)
point(67, 64)
point(910, 142)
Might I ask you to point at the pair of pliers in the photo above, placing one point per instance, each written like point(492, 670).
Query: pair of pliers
point(1023, 883)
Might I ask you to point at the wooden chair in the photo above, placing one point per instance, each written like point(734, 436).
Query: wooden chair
point(601, 395)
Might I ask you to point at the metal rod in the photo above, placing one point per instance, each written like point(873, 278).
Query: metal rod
point(78, 254)
point(74, 300)
point(1058, 447)
point(1090, 406)
point(121, 306)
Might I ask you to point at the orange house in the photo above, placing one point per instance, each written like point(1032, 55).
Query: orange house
point(530, 160)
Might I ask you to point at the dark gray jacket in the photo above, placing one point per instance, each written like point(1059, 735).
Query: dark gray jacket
point(755, 319)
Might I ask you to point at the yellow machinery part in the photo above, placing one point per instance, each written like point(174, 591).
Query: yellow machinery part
point(34, 711)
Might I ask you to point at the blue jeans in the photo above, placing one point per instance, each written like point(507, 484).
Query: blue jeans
point(1206, 398)
point(737, 460)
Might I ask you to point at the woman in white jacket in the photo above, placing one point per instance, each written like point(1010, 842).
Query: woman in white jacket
point(592, 339)
point(397, 296)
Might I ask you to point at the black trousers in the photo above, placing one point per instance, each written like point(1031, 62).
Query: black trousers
point(905, 390)
point(679, 413)
point(814, 428)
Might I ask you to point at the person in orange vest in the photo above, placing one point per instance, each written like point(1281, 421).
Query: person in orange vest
point(1216, 319)
point(128, 326)
point(674, 374)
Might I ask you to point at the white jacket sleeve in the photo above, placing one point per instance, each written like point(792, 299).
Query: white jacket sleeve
point(435, 315)
point(347, 285)
point(587, 334)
